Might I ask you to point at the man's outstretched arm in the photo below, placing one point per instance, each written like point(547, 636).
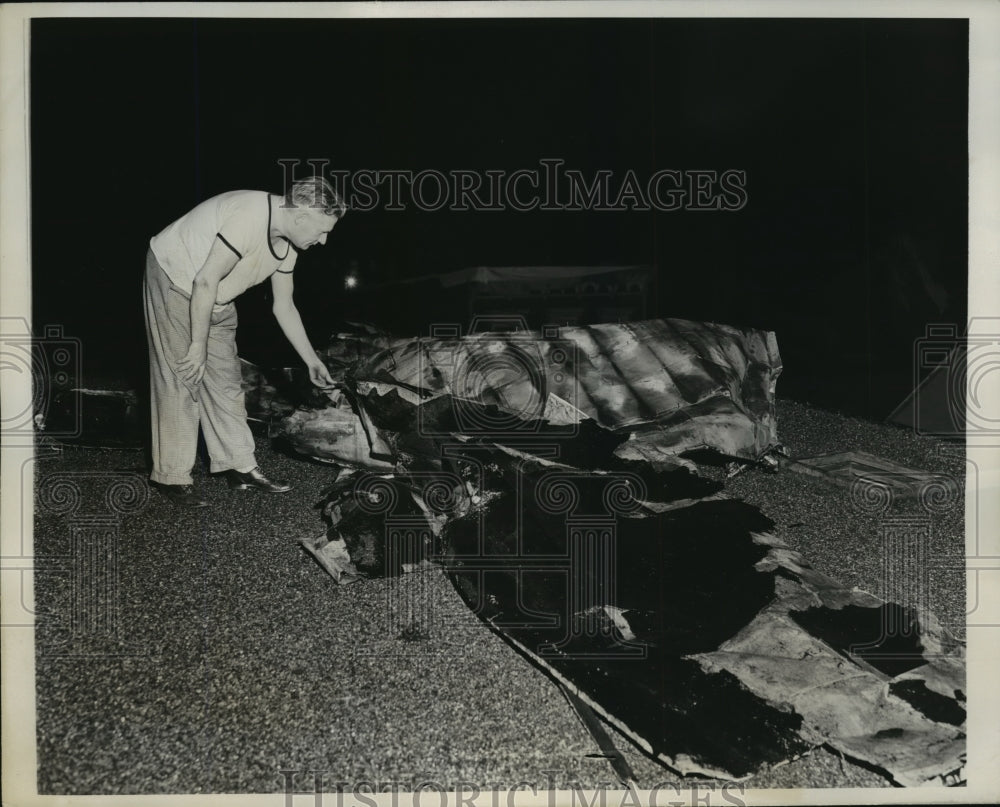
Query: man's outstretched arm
point(291, 325)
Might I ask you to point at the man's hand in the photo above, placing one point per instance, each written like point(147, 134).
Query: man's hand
point(191, 369)
point(320, 375)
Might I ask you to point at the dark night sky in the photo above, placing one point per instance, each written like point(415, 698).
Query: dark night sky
point(853, 134)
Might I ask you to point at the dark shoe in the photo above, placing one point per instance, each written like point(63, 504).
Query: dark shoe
point(182, 495)
point(255, 479)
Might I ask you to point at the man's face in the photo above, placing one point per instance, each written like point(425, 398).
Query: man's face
point(312, 227)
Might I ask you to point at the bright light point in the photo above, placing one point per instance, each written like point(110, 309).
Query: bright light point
point(351, 281)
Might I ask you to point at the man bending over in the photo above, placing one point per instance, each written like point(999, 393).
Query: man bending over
point(195, 269)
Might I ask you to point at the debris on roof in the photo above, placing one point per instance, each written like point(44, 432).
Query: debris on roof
point(560, 480)
point(854, 468)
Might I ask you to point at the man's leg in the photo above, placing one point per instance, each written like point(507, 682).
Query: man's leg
point(174, 410)
point(223, 409)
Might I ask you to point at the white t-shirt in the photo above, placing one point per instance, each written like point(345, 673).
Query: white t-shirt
point(242, 221)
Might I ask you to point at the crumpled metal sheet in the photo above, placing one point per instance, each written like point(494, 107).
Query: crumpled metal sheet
point(336, 434)
point(332, 554)
point(684, 622)
point(670, 385)
point(910, 724)
point(747, 657)
point(705, 640)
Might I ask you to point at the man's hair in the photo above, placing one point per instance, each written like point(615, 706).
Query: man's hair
point(316, 192)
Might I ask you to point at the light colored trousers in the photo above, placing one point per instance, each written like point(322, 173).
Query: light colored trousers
point(217, 404)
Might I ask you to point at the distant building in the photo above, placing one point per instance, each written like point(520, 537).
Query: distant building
point(539, 295)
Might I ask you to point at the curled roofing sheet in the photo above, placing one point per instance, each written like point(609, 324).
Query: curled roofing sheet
point(672, 384)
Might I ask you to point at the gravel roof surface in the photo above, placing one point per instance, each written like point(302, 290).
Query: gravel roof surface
point(238, 657)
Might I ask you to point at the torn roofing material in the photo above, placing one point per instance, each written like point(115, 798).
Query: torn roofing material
point(859, 469)
point(670, 385)
point(573, 529)
point(699, 635)
point(683, 622)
